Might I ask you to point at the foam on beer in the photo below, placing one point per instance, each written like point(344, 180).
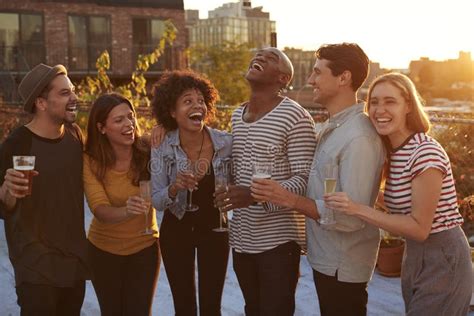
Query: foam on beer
point(24, 168)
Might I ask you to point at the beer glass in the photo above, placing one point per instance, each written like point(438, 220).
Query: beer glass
point(26, 165)
point(262, 170)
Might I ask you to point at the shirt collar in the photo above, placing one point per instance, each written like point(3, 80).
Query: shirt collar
point(341, 117)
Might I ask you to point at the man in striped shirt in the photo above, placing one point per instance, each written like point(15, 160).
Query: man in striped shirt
point(267, 239)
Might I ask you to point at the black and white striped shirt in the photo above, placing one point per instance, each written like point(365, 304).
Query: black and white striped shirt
point(286, 137)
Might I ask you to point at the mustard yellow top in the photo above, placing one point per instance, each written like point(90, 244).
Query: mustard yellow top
point(123, 238)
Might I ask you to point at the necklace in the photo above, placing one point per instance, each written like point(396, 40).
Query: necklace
point(200, 149)
point(188, 151)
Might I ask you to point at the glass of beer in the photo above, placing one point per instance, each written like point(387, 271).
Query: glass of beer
point(330, 182)
point(262, 170)
point(26, 165)
point(145, 193)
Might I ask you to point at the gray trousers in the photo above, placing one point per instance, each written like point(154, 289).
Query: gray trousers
point(437, 275)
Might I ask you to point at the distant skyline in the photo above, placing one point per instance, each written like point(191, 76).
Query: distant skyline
point(391, 32)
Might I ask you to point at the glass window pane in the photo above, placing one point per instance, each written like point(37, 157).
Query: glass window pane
point(9, 29)
point(99, 30)
point(32, 39)
point(9, 38)
point(99, 38)
point(77, 42)
point(157, 30)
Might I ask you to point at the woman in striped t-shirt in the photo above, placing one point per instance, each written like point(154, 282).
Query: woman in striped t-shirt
point(420, 194)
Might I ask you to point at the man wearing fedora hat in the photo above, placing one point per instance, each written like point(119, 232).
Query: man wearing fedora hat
point(45, 229)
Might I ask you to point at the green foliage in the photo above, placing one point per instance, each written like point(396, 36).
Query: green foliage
point(222, 119)
point(225, 65)
point(135, 90)
point(457, 141)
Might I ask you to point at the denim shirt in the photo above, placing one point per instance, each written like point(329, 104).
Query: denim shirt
point(163, 167)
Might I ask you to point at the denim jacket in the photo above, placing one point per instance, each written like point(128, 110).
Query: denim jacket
point(164, 167)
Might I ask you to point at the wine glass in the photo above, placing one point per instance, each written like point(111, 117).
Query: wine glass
point(187, 167)
point(330, 182)
point(145, 193)
point(221, 182)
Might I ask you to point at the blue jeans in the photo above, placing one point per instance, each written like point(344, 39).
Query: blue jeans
point(268, 280)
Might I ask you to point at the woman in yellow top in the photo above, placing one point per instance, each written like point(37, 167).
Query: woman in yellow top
point(125, 261)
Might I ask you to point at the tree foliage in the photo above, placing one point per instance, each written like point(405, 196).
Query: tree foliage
point(135, 90)
point(225, 65)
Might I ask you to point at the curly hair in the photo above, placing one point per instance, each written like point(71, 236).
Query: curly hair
point(171, 86)
point(346, 56)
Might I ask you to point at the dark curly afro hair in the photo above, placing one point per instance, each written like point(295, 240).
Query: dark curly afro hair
point(171, 86)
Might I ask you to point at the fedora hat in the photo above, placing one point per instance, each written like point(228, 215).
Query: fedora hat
point(35, 81)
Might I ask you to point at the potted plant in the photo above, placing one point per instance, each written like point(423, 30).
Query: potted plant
point(389, 260)
point(391, 248)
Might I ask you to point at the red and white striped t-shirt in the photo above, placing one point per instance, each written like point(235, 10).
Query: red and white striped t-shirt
point(420, 153)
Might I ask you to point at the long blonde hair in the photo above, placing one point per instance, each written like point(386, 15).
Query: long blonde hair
point(417, 120)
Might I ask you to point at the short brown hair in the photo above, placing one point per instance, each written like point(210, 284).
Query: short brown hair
point(346, 56)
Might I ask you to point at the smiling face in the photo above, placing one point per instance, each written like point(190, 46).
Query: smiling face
point(325, 84)
point(270, 66)
point(60, 103)
point(190, 111)
point(119, 127)
point(388, 111)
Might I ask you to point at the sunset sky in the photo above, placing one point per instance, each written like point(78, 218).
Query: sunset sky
point(391, 32)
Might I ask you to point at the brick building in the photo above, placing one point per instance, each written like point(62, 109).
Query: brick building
point(75, 32)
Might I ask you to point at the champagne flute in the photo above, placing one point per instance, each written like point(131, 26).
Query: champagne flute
point(330, 182)
point(187, 167)
point(145, 193)
point(221, 184)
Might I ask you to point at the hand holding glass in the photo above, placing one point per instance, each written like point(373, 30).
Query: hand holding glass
point(145, 194)
point(187, 167)
point(26, 165)
point(221, 185)
point(262, 170)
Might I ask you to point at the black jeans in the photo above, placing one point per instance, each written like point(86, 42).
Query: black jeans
point(46, 300)
point(125, 285)
point(268, 280)
point(340, 298)
point(180, 241)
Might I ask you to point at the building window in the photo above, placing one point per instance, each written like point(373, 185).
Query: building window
point(146, 37)
point(21, 41)
point(89, 36)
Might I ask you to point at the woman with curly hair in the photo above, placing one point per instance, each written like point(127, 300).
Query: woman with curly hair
point(125, 261)
point(421, 196)
point(183, 102)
